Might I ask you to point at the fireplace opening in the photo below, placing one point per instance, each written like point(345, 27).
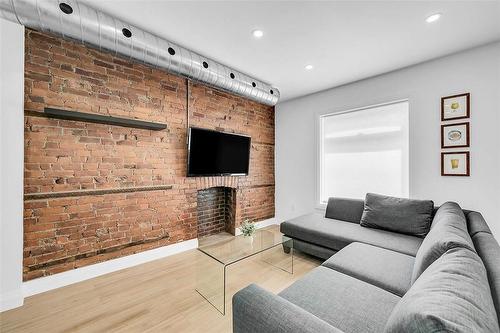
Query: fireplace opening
point(216, 211)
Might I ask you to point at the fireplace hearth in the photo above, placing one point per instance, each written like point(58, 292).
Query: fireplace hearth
point(216, 211)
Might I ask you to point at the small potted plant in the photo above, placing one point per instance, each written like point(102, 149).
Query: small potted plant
point(247, 229)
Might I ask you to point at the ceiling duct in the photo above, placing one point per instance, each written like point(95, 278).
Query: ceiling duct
point(74, 20)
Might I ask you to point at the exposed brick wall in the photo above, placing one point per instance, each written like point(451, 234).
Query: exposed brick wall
point(66, 233)
point(215, 210)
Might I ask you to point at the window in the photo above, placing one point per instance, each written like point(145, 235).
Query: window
point(364, 150)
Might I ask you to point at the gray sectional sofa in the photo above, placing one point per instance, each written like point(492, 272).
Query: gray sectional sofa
point(378, 279)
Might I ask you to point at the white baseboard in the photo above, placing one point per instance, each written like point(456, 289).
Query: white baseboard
point(261, 224)
point(11, 300)
point(59, 280)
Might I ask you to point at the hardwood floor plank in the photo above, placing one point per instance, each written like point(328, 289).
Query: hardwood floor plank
point(158, 296)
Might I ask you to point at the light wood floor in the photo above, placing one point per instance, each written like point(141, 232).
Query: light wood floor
point(158, 296)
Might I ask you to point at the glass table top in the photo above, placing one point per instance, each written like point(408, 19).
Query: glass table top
point(240, 247)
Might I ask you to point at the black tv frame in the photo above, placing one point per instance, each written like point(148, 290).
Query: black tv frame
point(216, 174)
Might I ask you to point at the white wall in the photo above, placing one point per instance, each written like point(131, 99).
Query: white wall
point(476, 71)
point(11, 166)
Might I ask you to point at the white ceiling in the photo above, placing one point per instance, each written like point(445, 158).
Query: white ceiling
point(345, 41)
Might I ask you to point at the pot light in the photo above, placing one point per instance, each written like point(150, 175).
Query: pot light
point(258, 33)
point(433, 18)
point(309, 67)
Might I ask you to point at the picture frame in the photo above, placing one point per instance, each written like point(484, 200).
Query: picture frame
point(455, 107)
point(455, 135)
point(455, 163)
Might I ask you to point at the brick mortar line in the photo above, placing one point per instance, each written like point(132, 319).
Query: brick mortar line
point(94, 253)
point(81, 193)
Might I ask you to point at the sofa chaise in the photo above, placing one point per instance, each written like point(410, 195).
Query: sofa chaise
point(392, 265)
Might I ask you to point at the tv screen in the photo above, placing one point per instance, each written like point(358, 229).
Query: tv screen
point(212, 153)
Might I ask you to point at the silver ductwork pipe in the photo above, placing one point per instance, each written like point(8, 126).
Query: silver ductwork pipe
point(74, 20)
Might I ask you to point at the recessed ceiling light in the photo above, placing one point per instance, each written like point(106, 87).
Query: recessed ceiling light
point(309, 67)
point(258, 33)
point(433, 18)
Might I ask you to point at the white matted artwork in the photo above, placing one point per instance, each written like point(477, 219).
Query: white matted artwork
point(455, 163)
point(455, 107)
point(455, 135)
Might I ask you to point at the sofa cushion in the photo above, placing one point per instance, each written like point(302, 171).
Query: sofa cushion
point(257, 310)
point(336, 234)
point(489, 251)
point(383, 268)
point(407, 216)
point(349, 210)
point(452, 295)
point(342, 301)
point(448, 230)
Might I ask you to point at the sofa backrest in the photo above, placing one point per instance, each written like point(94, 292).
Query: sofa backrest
point(488, 250)
point(448, 230)
point(484, 244)
point(452, 295)
point(349, 210)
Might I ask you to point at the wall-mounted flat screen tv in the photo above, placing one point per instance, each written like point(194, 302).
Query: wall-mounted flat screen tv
point(213, 153)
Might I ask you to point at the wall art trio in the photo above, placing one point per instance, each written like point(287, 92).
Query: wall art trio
point(455, 135)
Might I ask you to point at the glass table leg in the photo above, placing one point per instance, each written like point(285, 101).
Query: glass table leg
point(210, 281)
point(278, 257)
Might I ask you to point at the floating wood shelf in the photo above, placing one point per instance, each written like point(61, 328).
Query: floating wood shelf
point(100, 119)
point(79, 193)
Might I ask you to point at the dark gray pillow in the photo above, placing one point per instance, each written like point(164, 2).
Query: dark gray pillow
point(448, 230)
point(349, 210)
point(406, 216)
point(452, 295)
point(476, 223)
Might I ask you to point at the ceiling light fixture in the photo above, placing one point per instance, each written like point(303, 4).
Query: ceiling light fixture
point(433, 18)
point(309, 67)
point(258, 33)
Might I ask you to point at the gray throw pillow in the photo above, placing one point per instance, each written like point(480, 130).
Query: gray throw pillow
point(452, 295)
point(448, 230)
point(406, 216)
point(343, 209)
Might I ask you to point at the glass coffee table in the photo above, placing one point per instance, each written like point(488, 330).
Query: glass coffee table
point(213, 259)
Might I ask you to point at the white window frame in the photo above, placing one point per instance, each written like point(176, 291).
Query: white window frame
point(319, 143)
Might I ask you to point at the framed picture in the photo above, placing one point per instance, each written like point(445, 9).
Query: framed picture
point(455, 135)
point(455, 163)
point(455, 107)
